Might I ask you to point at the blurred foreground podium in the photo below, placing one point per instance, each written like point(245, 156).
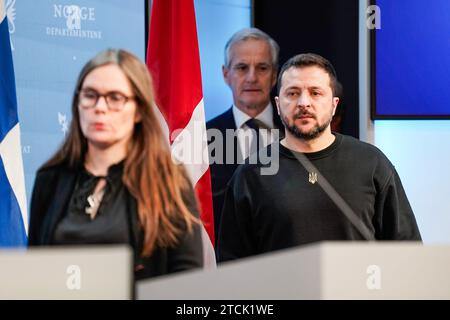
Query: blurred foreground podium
point(90, 272)
point(328, 270)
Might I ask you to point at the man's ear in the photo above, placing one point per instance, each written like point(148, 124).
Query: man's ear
point(277, 102)
point(225, 73)
point(335, 104)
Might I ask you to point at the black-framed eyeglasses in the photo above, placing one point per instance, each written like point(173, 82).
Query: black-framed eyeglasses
point(115, 101)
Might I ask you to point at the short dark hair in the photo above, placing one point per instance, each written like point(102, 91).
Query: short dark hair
point(307, 60)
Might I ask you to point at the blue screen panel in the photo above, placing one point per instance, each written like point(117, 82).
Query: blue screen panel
point(412, 59)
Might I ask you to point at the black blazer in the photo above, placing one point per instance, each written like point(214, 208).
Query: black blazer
point(221, 173)
point(52, 191)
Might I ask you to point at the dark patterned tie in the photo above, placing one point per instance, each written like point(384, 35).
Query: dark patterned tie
point(255, 125)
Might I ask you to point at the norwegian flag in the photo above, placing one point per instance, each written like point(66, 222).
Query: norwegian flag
point(174, 62)
point(13, 205)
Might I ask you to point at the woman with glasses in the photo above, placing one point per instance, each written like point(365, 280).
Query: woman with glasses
point(113, 180)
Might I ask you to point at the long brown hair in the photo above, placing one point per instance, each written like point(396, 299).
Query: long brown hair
point(149, 173)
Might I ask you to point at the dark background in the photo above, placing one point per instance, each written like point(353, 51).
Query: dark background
point(325, 27)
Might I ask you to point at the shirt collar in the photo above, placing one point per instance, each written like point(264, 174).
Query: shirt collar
point(266, 116)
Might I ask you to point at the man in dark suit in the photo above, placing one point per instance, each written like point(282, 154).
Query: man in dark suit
point(250, 70)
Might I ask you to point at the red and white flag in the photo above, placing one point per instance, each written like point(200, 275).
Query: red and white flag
point(174, 62)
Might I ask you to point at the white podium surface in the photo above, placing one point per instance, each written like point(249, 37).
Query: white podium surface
point(90, 272)
point(328, 270)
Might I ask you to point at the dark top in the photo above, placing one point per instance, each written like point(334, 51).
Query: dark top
point(53, 219)
point(110, 225)
point(222, 172)
point(264, 213)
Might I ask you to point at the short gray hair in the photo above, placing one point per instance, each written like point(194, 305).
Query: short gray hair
point(252, 33)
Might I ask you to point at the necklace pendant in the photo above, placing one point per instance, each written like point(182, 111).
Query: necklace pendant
point(92, 209)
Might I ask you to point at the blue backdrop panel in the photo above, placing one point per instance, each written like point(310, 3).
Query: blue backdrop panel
point(413, 58)
point(52, 40)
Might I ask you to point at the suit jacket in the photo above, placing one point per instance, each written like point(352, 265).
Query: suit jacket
point(52, 191)
point(221, 173)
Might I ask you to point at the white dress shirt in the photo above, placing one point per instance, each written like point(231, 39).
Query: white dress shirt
point(244, 133)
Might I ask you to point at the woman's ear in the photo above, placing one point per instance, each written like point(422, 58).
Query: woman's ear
point(137, 115)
